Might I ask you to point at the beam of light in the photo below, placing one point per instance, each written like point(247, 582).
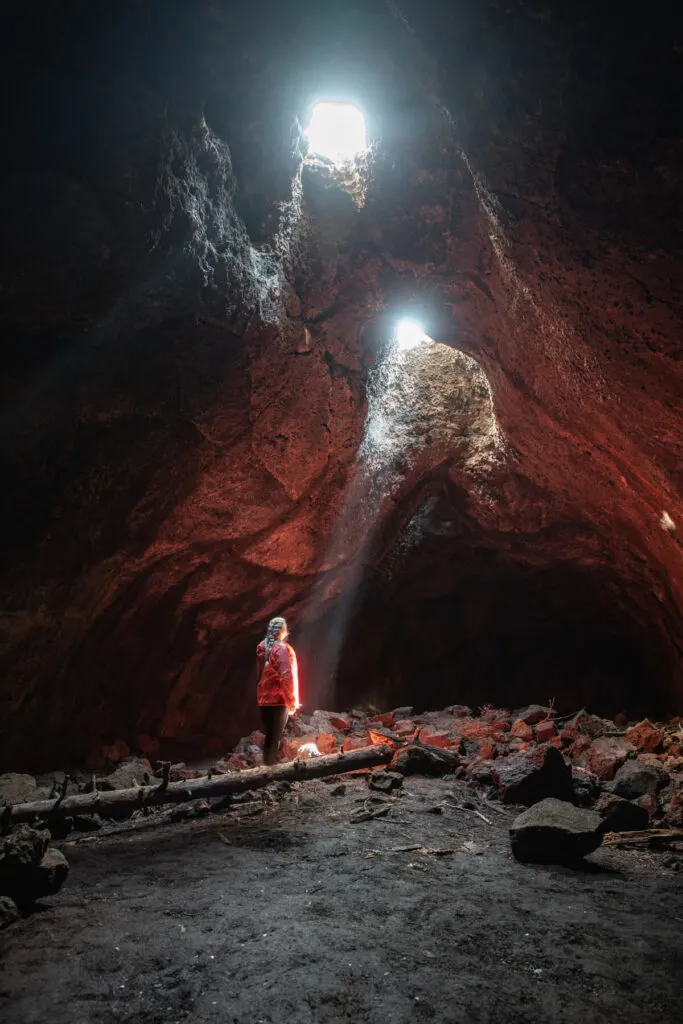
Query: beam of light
point(336, 131)
point(409, 334)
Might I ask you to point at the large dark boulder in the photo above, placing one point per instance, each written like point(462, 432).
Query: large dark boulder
point(533, 775)
point(621, 815)
point(555, 832)
point(28, 869)
point(9, 912)
point(635, 779)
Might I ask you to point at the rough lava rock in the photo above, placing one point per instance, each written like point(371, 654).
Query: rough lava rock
point(533, 775)
point(621, 815)
point(9, 911)
point(636, 779)
point(555, 832)
point(28, 869)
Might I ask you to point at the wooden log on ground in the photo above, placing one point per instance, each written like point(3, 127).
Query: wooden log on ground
point(192, 789)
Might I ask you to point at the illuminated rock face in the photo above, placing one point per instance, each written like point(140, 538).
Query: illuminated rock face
point(194, 334)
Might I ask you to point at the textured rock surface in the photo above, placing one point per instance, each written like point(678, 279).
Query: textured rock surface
point(555, 832)
point(620, 815)
point(533, 775)
point(28, 869)
point(190, 328)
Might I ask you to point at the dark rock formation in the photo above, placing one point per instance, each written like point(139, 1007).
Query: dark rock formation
point(621, 815)
point(533, 775)
point(195, 332)
point(555, 832)
point(29, 870)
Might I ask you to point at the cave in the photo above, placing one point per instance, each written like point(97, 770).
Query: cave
point(410, 378)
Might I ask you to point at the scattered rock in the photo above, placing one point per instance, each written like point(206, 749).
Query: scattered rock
point(385, 781)
point(520, 730)
point(28, 870)
point(555, 832)
point(458, 710)
point(51, 874)
point(534, 714)
point(635, 779)
point(16, 788)
point(545, 731)
point(338, 790)
point(135, 771)
point(416, 760)
point(606, 755)
point(586, 787)
point(645, 737)
point(533, 775)
point(621, 815)
point(9, 912)
point(402, 713)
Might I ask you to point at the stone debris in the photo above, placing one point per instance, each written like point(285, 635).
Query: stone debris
point(533, 775)
point(620, 815)
point(555, 832)
point(29, 870)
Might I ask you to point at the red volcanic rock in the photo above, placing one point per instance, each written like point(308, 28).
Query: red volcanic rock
point(545, 731)
point(645, 737)
point(436, 739)
point(520, 730)
point(405, 728)
point(147, 745)
point(458, 710)
point(534, 714)
point(327, 743)
point(356, 742)
point(386, 720)
point(256, 738)
point(342, 723)
point(605, 756)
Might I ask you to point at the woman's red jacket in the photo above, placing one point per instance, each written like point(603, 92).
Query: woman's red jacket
point(278, 680)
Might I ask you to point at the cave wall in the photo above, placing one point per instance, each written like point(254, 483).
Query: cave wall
point(190, 324)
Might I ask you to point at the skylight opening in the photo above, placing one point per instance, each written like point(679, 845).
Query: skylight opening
point(409, 334)
point(336, 131)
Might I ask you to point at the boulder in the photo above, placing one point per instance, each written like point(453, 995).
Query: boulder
point(645, 737)
point(9, 912)
point(28, 869)
point(635, 779)
point(131, 772)
point(605, 756)
point(16, 788)
point(555, 832)
point(533, 775)
point(342, 723)
point(621, 815)
point(672, 802)
point(586, 725)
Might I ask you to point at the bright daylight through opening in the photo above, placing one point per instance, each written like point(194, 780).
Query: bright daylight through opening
point(336, 131)
point(409, 334)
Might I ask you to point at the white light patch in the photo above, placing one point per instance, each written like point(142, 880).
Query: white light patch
point(667, 523)
point(409, 334)
point(336, 131)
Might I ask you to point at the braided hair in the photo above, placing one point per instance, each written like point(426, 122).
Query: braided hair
point(275, 627)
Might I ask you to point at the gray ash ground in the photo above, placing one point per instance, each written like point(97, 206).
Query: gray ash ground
point(294, 914)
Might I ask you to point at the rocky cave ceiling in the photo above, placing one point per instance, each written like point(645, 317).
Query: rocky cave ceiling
point(205, 424)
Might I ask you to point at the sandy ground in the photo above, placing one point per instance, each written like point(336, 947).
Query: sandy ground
point(294, 914)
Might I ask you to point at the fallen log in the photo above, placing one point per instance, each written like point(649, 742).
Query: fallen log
point(193, 789)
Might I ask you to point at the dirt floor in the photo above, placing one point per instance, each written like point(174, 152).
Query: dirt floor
point(287, 912)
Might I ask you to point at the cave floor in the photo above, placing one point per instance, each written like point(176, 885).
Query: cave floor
point(289, 915)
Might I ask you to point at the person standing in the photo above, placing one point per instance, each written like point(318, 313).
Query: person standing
point(277, 692)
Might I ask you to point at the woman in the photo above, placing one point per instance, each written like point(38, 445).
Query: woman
point(278, 685)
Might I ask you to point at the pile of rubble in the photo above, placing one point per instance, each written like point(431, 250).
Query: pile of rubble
point(631, 774)
point(581, 776)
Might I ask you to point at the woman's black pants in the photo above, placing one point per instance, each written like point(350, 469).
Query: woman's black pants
point(274, 718)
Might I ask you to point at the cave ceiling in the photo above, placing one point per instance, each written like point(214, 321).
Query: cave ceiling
point(204, 420)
